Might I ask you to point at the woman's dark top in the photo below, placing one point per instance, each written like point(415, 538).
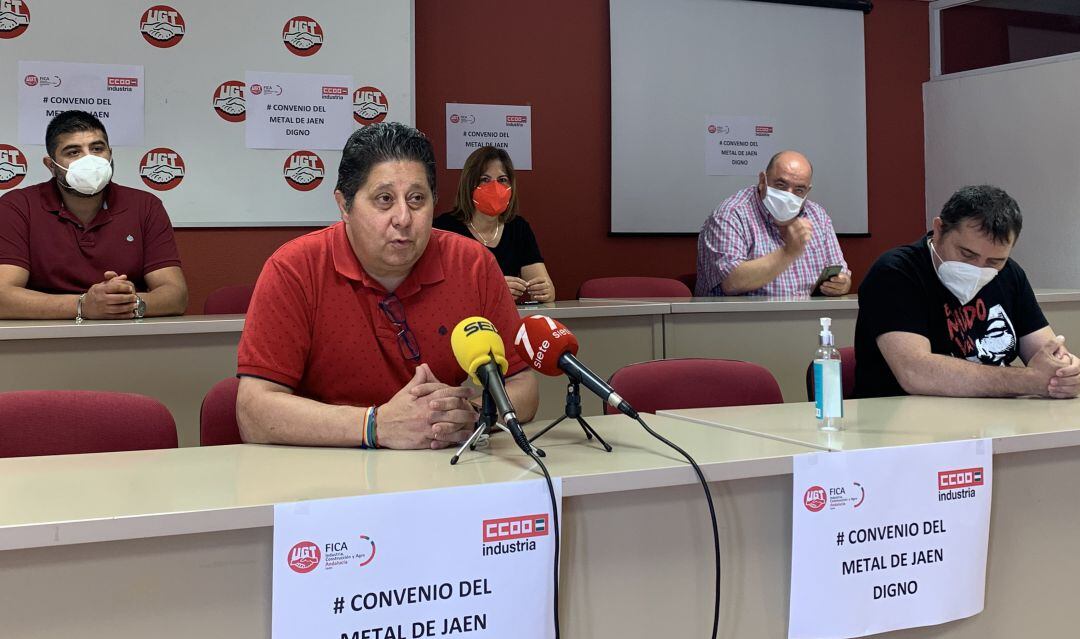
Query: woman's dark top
point(516, 248)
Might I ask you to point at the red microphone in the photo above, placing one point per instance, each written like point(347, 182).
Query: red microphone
point(550, 347)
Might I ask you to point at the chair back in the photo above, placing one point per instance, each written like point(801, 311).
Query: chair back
point(69, 422)
point(847, 374)
point(666, 384)
point(229, 300)
point(690, 279)
point(217, 417)
point(633, 287)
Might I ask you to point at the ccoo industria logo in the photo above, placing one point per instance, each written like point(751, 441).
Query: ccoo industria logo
point(509, 535)
point(958, 484)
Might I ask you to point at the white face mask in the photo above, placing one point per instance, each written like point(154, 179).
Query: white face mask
point(89, 174)
point(782, 205)
point(963, 280)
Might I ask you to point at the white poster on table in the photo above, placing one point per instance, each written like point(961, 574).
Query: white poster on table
point(471, 126)
point(111, 92)
point(889, 538)
point(738, 145)
point(475, 561)
point(298, 110)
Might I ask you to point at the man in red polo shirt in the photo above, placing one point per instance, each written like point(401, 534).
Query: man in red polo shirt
point(347, 338)
point(79, 247)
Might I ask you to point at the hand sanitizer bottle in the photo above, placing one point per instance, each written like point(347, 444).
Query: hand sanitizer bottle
point(828, 386)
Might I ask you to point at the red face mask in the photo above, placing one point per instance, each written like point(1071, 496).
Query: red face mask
point(491, 198)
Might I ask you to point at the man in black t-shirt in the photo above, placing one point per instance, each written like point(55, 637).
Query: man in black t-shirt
point(947, 314)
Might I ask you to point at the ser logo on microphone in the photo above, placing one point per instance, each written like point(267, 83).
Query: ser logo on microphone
point(475, 327)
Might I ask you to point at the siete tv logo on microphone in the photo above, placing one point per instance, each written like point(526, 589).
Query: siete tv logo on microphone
point(537, 353)
point(508, 535)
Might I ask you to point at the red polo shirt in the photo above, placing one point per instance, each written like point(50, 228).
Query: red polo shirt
point(131, 235)
point(315, 325)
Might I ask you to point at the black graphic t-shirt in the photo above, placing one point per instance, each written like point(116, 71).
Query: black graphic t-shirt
point(902, 292)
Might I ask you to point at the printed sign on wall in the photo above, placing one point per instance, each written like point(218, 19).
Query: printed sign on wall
point(471, 126)
point(111, 92)
point(298, 110)
point(739, 145)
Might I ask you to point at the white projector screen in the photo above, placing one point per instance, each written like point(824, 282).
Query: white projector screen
point(225, 183)
point(674, 63)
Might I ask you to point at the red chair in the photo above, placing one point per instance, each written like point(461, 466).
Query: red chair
point(66, 422)
point(665, 384)
point(633, 287)
point(690, 279)
point(847, 374)
point(217, 417)
point(229, 300)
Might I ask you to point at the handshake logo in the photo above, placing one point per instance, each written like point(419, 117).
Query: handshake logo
point(14, 18)
point(303, 36)
point(161, 169)
point(369, 106)
point(229, 101)
point(162, 26)
point(12, 166)
point(304, 171)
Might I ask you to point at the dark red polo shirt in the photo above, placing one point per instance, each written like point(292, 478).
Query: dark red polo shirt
point(315, 325)
point(131, 235)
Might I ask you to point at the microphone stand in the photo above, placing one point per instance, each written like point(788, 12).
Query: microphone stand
point(487, 420)
point(573, 411)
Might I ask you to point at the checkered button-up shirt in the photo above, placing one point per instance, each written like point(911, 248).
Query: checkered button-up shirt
point(742, 229)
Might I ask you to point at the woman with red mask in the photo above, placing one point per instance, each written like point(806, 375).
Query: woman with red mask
point(486, 210)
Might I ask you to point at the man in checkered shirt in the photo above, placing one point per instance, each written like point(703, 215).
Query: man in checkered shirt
point(768, 239)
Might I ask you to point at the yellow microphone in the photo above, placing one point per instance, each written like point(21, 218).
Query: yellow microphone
point(480, 352)
point(475, 342)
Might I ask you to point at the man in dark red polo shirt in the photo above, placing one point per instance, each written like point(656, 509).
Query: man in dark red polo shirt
point(347, 339)
point(79, 247)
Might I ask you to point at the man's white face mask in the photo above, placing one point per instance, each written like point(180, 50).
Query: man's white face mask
point(782, 205)
point(962, 279)
point(88, 175)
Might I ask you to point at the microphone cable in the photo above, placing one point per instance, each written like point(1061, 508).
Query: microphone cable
point(555, 523)
point(712, 518)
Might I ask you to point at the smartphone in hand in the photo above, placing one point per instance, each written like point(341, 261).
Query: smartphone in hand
point(827, 273)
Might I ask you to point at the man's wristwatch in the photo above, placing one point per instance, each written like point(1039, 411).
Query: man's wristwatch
point(140, 307)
